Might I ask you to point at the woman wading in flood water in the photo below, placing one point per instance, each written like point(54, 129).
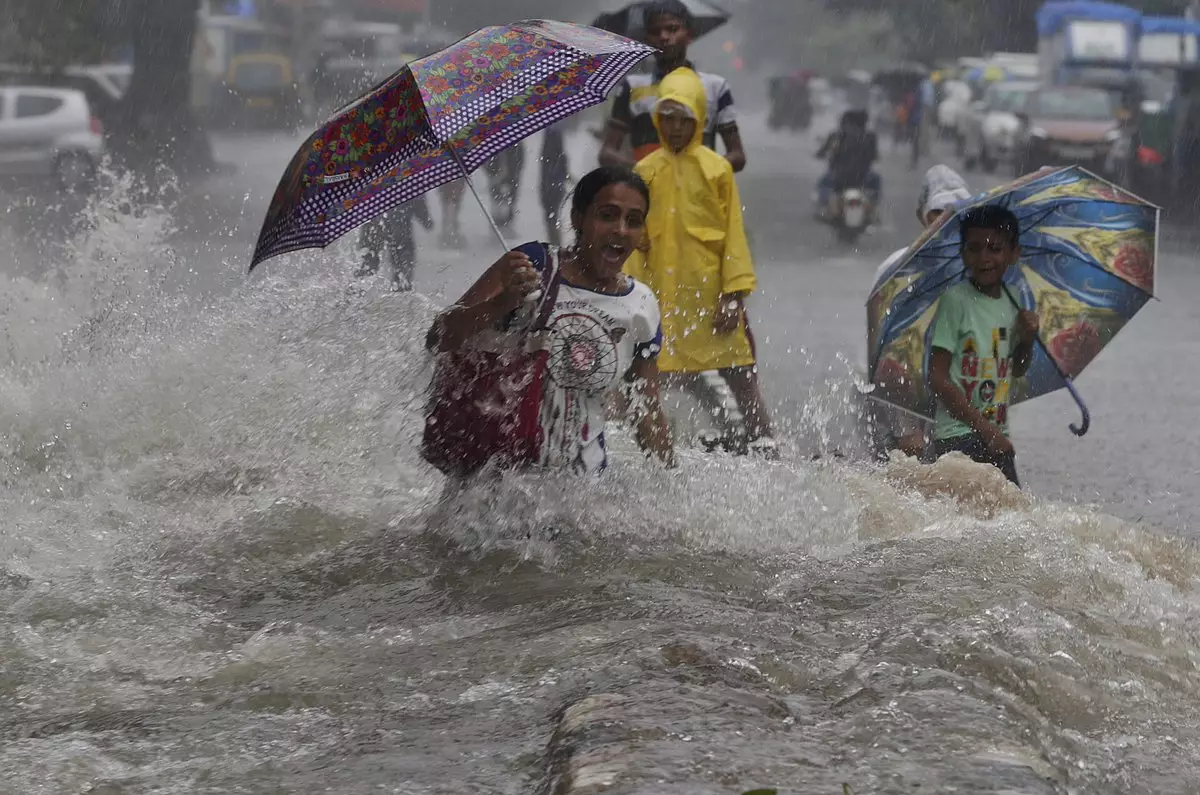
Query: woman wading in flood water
point(597, 327)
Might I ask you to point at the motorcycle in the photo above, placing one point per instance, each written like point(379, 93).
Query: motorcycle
point(852, 214)
point(849, 211)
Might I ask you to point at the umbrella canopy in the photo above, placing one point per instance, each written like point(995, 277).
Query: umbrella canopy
point(1087, 266)
point(438, 119)
point(630, 19)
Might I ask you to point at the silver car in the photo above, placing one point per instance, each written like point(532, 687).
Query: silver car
point(990, 126)
point(49, 133)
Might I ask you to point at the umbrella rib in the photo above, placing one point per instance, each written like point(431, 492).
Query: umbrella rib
point(888, 330)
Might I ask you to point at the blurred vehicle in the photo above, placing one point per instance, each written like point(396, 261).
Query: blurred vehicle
point(851, 213)
point(989, 127)
point(1066, 125)
point(1017, 65)
point(901, 85)
point(855, 88)
point(49, 133)
point(956, 98)
point(1141, 159)
point(791, 102)
point(821, 93)
point(103, 84)
point(341, 80)
point(262, 90)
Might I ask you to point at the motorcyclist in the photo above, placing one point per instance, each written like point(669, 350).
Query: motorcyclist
point(852, 150)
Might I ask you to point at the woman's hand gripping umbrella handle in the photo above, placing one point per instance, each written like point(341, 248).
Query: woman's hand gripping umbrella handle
point(534, 296)
point(1086, 421)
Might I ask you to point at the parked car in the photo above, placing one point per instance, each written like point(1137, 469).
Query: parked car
point(103, 84)
point(1067, 125)
point(49, 133)
point(989, 127)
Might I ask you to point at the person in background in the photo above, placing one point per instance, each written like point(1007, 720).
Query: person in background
point(942, 189)
point(981, 342)
point(669, 28)
point(925, 109)
point(391, 235)
point(451, 199)
point(555, 171)
point(604, 330)
point(852, 150)
point(698, 262)
point(504, 172)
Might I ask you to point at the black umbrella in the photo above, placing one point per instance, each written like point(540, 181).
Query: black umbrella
point(630, 20)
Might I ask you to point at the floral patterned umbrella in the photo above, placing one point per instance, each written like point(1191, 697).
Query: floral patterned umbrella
point(436, 120)
point(1087, 266)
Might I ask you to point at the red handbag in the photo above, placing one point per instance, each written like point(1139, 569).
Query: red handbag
point(484, 405)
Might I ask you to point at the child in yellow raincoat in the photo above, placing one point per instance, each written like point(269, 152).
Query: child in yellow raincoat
point(698, 262)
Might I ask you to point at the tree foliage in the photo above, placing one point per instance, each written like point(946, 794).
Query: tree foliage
point(50, 34)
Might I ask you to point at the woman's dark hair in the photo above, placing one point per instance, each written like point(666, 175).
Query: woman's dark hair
point(673, 8)
point(990, 216)
point(595, 181)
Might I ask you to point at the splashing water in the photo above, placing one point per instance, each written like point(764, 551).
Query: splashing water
point(224, 569)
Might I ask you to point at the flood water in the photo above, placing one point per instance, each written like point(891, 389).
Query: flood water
point(223, 568)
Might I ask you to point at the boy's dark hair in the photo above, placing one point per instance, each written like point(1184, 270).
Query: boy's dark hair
point(990, 216)
point(673, 8)
point(598, 179)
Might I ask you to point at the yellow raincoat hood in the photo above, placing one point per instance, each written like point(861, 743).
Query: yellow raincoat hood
point(683, 86)
point(698, 250)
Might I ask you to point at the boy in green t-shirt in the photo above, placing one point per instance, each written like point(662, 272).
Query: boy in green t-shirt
point(981, 342)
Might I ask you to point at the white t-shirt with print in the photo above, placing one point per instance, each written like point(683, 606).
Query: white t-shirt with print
point(594, 339)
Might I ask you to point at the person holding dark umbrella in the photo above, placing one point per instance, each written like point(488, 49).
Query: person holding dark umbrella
point(670, 28)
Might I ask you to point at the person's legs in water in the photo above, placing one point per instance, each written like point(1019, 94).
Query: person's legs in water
point(916, 140)
point(824, 193)
point(974, 448)
point(374, 243)
point(554, 173)
point(720, 407)
point(504, 173)
point(552, 194)
point(873, 185)
point(743, 383)
point(452, 193)
point(404, 254)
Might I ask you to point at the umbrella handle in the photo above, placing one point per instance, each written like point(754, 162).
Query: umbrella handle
point(1079, 430)
point(471, 184)
point(1086, 421)
point(536, 294)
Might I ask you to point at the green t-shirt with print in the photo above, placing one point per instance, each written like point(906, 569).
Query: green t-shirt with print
point(978, 332)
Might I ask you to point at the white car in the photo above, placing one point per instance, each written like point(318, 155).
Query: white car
point(957, 96)
point(989, 129)
point(49, 132)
